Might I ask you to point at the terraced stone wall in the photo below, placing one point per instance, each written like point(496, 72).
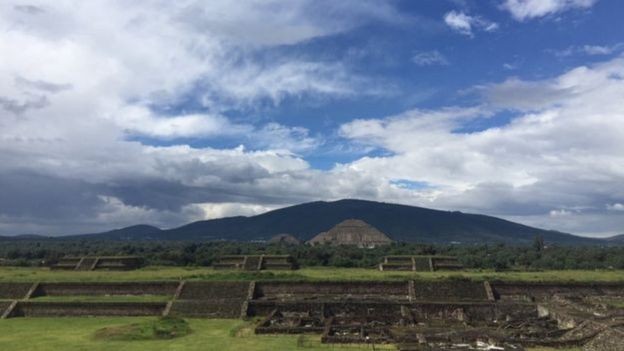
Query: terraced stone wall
point(211, 299)
point(450, 290)
point(519, 291)
point(263, 308)
point(3, 306)
point(93, 289)
point(14, 290)
point(363, 288)
point(63, 309)
point(119, 263)
point(422, 264)
point(214, 290)
point(214, 308)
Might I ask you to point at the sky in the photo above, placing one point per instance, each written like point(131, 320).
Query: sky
point(114, 113)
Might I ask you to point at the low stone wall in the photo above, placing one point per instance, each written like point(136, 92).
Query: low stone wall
point(119, 288)
point(214, 308)
point(263, 308)
point(269, 290)
point(422, 264)
point(66, 309)
point(4, 305)
point(119, 263)
point(449, 290)
point(515, 291)
point(214, 290)
point(212, 299)
point(14, 290)
point(255, 262)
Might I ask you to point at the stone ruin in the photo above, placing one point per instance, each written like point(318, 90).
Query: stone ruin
point(420, 263)
point(352, 232)
point(451, 314)
point(445, 315)
point(92, 263)
point(256, 262)
point(285, 239)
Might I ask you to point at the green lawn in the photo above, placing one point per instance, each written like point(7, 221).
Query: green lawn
point(73, 334)
point(19, 274)
point(103, 298)
point(69, 334)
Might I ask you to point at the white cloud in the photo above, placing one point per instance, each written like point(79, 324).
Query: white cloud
point(592, 50)
point(598, 50)
point(212, 210)
point(465, 24)
point(615, 207)
point(568, 131)
point(429, 58)
point(560, 213)
point(79, 81)
point(522, 10)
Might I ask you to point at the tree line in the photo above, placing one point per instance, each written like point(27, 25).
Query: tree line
point(171, 253)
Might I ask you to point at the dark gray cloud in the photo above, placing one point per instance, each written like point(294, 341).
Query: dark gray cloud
point(28, 194)
point(29, 9)
point(19, 107)
point(41, 85)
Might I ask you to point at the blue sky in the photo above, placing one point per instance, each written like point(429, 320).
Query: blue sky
point(114, 114)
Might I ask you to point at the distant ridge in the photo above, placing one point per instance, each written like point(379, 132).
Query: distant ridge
point(616, 239)
point(400, 222)
point(142, 231)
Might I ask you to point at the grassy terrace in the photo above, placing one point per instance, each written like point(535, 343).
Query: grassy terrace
point(18, 274)
point(105, 298)
point(69, 334)
point(80, 333)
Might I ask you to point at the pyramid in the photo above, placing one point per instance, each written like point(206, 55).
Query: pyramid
point(352, 232)
point(284, 239)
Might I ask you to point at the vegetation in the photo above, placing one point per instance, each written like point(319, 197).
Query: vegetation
point(162, 328)
point(33, 274)
point(103, 298)
point(490, 257)
point(77, 333)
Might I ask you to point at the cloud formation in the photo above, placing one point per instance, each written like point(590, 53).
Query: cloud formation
point(73, 122)
point(429, 58)
point(111, 114)
point(466, 24)
point(522, 10)
point(568, 131)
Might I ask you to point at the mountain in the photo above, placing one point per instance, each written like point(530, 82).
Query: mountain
point(616, 239)
point(140, 231)
point(25, 237)
point(399, 222)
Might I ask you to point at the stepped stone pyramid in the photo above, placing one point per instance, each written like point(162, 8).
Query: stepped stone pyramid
point(352, 232)
point(284, 239)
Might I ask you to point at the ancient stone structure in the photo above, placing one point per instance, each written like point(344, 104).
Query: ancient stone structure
point(441, 315)
point(286, 239)
point(352, 232)
point(212, 299)
point(256, 262)
point(419, 263)
point(416, 315)
point(86, 263)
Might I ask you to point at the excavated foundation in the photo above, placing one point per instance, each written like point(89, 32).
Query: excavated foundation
point(435, 315)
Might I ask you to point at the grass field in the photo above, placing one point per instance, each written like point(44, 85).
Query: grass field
point(69, 334)
point(106, 298)
point(19, 274)
point(73, 334)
